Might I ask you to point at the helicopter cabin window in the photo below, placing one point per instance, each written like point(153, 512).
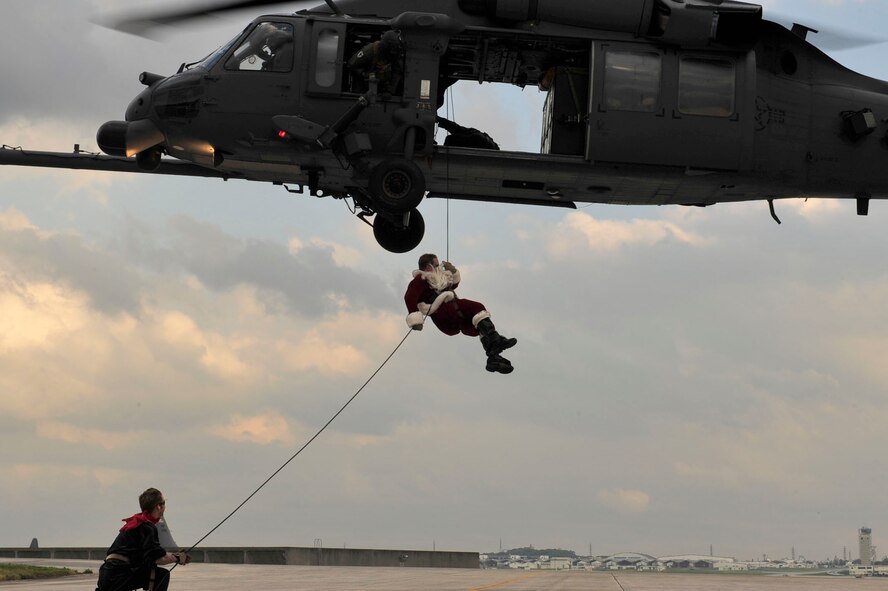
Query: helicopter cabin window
point(269, 48)
point(706, 87)
point(326, 68)
point(632, 80)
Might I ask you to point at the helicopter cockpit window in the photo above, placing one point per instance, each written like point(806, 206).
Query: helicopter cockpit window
point(269, 48)
point(706, 87)
point(211, 60)
point(632, 80)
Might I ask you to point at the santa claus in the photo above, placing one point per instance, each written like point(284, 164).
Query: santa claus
point(431, 293)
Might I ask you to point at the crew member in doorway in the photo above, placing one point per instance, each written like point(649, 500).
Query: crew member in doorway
point(384, 60)
point(431, 293)
point(135, 558)
point(465, 137)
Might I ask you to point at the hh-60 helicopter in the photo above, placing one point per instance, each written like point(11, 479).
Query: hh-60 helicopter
point(690, 102)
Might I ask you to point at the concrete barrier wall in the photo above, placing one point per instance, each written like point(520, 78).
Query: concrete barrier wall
point(55, 553)
point(281, 555)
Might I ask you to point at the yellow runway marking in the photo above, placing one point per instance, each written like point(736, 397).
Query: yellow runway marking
point(501, 583)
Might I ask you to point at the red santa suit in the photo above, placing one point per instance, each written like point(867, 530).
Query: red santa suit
point(432, 293)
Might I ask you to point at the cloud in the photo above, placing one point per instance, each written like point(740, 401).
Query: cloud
point(219, 354)
point(343, 256)
point(310, 277)
point(34, 478)
point(624, 500)
point(818, 210)
point(65, 348)
point(767, 450)
point(31, 315)
point(67, 261)
point(12, 220)
point(581, 229)
point(50, 134)
point(342, 344)
point(262, 429)
point(70, 433)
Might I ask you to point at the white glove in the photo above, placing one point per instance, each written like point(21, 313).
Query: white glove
point(415, 319)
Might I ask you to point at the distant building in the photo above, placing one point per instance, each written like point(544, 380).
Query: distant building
point(555, 563)
point(697, 561)
point(865, 537)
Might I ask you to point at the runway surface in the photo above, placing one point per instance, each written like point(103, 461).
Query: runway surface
point(219, 577)
point(222, 577)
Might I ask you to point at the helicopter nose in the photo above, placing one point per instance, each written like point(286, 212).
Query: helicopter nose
point(140, 107)
point(128, 138)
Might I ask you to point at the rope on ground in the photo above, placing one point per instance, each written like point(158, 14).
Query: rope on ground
point(307, 443)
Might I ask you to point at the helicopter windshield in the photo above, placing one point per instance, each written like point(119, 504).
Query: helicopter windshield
point(212, 59)
point(268, 48)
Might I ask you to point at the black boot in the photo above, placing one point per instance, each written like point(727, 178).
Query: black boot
point(499, 364)
point(493, 342)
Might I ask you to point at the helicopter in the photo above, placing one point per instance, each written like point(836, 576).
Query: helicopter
point(648, 102)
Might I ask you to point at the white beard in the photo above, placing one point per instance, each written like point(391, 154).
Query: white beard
point(439, 279)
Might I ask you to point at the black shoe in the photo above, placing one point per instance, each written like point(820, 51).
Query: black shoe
point(493, 342)
point(498, 364)
point(500, 344)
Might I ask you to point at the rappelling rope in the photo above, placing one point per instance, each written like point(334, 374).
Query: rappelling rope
point(307, 443)
point(448, 108)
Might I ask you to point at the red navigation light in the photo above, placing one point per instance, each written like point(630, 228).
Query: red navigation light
point(282, 134)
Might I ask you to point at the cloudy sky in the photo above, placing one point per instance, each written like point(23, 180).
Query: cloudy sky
point(683, 377)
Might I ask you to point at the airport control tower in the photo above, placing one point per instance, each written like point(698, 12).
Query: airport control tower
point(865, 535)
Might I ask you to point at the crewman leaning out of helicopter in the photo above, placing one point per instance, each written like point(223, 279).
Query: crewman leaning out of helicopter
point(383, 59)
point(431, 293)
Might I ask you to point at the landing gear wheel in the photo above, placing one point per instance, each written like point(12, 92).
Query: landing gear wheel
point(395, 236)
point(149, 159)
point(396, 185)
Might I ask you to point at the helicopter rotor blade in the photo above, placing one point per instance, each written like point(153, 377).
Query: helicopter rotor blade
point(141, 25)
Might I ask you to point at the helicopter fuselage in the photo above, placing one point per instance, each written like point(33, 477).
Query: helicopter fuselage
point(645, 105)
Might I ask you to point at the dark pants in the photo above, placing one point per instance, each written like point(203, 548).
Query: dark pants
point(116, 575)
point(456, 317)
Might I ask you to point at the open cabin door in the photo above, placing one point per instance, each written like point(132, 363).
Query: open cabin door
point(661, 106)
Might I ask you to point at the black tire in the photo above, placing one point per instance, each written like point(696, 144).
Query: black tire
point(396, 185)
point(394, 237)
point(149, 159)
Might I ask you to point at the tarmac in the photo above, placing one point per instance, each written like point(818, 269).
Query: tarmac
point(219, 577)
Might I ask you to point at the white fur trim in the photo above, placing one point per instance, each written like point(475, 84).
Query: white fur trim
point(415, 319)
point(444, 296)
point(479, 317)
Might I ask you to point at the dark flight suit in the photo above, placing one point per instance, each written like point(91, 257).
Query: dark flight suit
point(137, 548)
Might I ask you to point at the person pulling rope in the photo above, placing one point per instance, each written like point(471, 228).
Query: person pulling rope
point(135, 557)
